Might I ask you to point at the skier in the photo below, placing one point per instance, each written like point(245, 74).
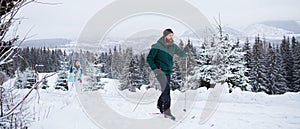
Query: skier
point(75, 75)
point(160, 59)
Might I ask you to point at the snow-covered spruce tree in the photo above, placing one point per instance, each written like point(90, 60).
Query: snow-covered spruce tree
point(189, 48)
point(256, 73)
point(62, 80)
point(90, 79)
point(296, 66)
point(176, 80)
point(108, 63)
point(221, 61)
point(247, 56)
point(180, 70)
point(94, 74)
point(98, 74)
point(103, 58)
point(31, 77)
point(21, 78)
point(287, 61)
point(116, 64)
point(271, 72)
point(130, 75)
point(201, 77)
point(144, 69)
point(90, 70)
point(55, 56)
point(280, 82)
point(269, 78)
point(125, 76)
point(267, 66)
point(44, 84)
point(236, 65)
point(137, 79)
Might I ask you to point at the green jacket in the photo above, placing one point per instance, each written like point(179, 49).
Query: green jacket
point(161, 56)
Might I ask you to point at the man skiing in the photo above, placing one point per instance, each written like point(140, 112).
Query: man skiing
point(160, 59)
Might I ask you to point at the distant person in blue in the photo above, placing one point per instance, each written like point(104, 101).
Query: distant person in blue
point(75, 75)
point(160, 60)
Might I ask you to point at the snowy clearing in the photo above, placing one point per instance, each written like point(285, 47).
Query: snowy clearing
point(110, 108)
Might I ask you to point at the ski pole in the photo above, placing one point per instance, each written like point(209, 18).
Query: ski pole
point(139, 101)
point(186, 75)
point(143, 94)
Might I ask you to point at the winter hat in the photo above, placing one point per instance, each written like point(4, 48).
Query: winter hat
point(167, 31)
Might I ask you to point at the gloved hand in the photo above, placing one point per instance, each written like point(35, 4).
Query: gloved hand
point(158, 72)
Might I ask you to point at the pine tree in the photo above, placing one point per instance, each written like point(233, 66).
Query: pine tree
point(179, 69)
point(30, 78)
point(201, 74)
point(136, 78)
point(94, 74)
point(131, 76)
point(144, 69)
point(44, 84)
point(280, 82)
point(270, 63)
point(236, 66)
point(126, 75)
point(184, 67)
point(99, 72)
point(90, 79)
point(296, 66)
point(62, 81)
point(191, 58)
point(287, 61)
point(116, 66)
point(25, 79)
point(256, 73)
point(221, 61)
point(247, 56)
point(108, 64)
point(176, 80)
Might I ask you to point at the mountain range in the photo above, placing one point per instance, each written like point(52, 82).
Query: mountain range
point(272, 31)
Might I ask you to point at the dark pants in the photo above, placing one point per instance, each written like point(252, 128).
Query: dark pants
point(164, 101)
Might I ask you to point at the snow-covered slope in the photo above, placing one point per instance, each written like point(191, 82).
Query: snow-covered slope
point(266, 31)
point(246, 110)
point(48, 43)
point(289, 25)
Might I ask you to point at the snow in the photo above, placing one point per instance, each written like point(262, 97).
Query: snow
point(110, 108)
point(266, 31)
point(59, 109)
point(112, 97)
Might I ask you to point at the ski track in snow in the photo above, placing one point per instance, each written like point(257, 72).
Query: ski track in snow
point(247, 110)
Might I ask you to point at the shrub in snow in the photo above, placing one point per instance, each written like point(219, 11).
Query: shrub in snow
point(62, 81)
point(221, 60)
point(93, 79)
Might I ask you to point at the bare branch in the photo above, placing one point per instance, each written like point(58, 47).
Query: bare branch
point(6, 62)
point(8, 113)
point(219, 26)
point(13, 13)
point(6, 53)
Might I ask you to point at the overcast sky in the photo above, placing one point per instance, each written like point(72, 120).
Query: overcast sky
point(68, 19)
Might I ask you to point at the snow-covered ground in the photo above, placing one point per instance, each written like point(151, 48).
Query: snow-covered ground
point(111, 108)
